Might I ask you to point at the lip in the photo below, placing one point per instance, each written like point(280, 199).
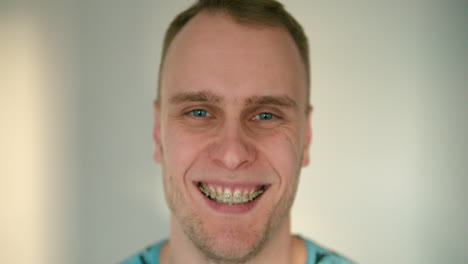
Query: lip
point(231, 209)
point(234, 208)
point(232, 185)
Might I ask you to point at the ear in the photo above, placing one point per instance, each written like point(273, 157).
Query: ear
point(308, 137)
point(157, 132)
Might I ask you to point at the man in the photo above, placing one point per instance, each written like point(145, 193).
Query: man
point(232, 131)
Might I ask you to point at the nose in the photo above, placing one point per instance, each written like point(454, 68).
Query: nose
point(232, 149)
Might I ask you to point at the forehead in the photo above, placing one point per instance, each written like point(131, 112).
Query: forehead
point(215, 53)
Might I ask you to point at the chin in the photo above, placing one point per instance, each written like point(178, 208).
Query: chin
point(233, 243)
point(235, 246)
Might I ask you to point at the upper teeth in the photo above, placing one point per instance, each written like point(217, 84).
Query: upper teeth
point(227, 197)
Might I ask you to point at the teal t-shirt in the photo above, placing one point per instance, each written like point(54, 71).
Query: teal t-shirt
point(315, 255)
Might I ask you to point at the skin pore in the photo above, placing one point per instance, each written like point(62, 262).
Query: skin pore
point(231, 114)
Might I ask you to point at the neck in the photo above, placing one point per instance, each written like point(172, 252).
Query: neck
point(280, 248)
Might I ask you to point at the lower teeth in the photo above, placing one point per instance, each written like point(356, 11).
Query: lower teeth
point(228, 198)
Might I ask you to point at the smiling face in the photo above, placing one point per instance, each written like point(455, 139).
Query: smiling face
point(232, 132)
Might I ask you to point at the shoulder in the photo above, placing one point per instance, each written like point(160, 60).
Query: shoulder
point(150, 255)
point(319, 255)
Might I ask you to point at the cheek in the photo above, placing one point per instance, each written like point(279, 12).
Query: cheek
point(282, 151)
point(180, 149)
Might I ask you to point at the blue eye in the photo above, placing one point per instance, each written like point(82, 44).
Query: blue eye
point(264, 116)
point(199, 113)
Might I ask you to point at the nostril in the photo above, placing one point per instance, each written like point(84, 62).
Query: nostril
point(232, 151)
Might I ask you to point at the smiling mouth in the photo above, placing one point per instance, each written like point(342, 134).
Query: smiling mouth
point(231, 196)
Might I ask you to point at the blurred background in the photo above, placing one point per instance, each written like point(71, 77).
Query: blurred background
point(388, 176)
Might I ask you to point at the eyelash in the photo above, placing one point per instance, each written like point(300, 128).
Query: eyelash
point(255, 117)
point(192, 113)
point(271, 116)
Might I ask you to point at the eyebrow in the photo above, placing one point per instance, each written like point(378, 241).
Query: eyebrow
point(206, 96)
point(202, 96)
point(283, 100)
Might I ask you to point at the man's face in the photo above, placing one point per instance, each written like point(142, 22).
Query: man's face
point(231, 132)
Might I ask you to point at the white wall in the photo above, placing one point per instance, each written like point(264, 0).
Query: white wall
point(388, 175)
point(388, 178)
